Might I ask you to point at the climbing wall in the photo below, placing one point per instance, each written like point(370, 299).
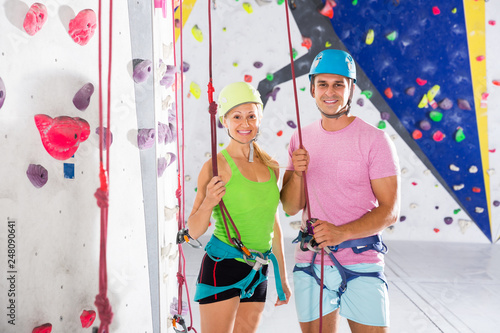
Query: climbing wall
point(423, 76)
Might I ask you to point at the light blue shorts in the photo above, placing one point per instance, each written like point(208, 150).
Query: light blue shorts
point(366, 300)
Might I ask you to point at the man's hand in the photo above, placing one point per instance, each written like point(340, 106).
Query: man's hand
point(328, 234)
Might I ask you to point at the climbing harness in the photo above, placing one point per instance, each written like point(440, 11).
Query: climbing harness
point(216, 248)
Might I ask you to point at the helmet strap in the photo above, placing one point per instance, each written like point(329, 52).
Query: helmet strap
point(250, 155)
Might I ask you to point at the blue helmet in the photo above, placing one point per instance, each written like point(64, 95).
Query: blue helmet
point(332, 61)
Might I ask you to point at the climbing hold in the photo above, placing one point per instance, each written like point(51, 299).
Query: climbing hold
point(414, 183)
point(480, 58)
point(269, 76)
point(280, 133)
point(257, 64)
point(420, 81)
point(388, 93)
point(492, 22)
point(327, 9)
point(248, 7)
point(62, 136)
point(197, 33)
point(438, 136)
point(105, 137)
point(454, 10)
point(496, 203)
point(402, 218)
point(453, 167)
point(162, 165)
point(436, 230)
point(385, 115)
point(45, 328)
point(456, 211)
point(479, 210)
point(484, 100)
point(413, 205)
point(392, 36)
point(306, 42)
point(410, 91)
point(195, 90)
point(367, 93)
point(381, 124)
point(354, 2)
point(328, 44)
point(435, 116)
point(476, 190)
point(145, 138)
point(458, 187)
point(35, 18)
point(416, 134)
point(81, 100)
point(142, 70)
point(496, 82)
point(435, 10)
point(169, 76)
point(166, 133)
point(273, 93)
point(294, 53)
point(425, 125)
point(492, 150)
point(248, 78)
point(291, 124)
point(174, 307)
point(424, 102)
point(464, 104)
point(87, 318)
point(185, 67)
point(303, 89)
point(37, 175)
point(433, 92)
point(360, 102)
point(473, 169)
point(370, 36)
point(459, 135)
point(235, 64)
point(448, 220)
point(2, 92)
point(446, 104)
point(82, 27)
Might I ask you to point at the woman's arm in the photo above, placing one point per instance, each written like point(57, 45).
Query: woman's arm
point(278, 251)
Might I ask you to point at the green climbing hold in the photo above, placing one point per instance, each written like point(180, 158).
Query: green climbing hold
point(436, 116)
point(456, 211)
point(287, 215)
point(354, 2)
point(295, 53)
point(280, 2)
point(196, 189)
point(459, 135)
point(270, 77)
point(303, 89)
point(381, 124)
point(367, 93)
point(392, 36)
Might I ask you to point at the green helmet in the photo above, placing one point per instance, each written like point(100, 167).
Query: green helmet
point(235, 94)
point(332, 61)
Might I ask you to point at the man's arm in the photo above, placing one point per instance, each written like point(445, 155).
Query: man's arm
point(292, 192)
point(387, 192)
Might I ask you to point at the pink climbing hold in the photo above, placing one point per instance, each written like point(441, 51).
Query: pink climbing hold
point(492, 22)
point(420, 81)
point(435, 10)
point(87, 318)
point(82, 27)
point(62, 135)
point(480, 58)
point(2, 92)
point(438, 136)
point(45, 328)
point(35, 18)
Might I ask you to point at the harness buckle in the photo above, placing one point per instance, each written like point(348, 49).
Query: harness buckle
point(183, 236)
point(242, 247)
point(177, 319)
point(259, 258)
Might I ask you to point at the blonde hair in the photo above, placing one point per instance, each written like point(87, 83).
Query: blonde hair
point(265, 157)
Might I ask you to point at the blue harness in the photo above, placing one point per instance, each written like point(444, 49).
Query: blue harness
point(218, 250)
point(357, 245)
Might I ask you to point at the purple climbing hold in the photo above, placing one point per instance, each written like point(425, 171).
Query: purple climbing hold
point(258, 64)
point(496, 203)
point(185, 67)
point(169, 77)
point(360, 102)
point(385, 115)
point(402, 219)
point(145, 138)
point(291, 124)
point(446, 104)
point(219, 124)
point(448, 220)
point(142, 70)
point(2, 92)
point(37, 175)
point(166, 132)
point(105, 137)
point(425, 125)
point(82, 96)
point(164, 163)
point(410, 91)
point(273, 93)
point(464, 104)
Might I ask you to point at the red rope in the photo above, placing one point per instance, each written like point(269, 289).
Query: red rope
point(292, 66)
point(102, 193)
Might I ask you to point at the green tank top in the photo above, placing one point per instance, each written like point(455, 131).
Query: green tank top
point(252, 206)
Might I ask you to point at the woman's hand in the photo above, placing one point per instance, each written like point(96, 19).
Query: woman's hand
point(288, 293)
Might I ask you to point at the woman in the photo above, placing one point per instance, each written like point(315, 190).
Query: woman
point(248, 182)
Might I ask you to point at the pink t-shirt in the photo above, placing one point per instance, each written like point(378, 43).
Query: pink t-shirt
point(341, 165)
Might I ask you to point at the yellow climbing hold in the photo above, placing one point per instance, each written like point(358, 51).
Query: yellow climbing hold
point(424, 102)
point(195, 90)
point(328, 44)
point(433, 92)
point(198, 35)
point(248, 7)
point(370, 36)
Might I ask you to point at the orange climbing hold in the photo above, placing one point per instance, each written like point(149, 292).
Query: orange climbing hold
point(416, 134)
point(476, 190)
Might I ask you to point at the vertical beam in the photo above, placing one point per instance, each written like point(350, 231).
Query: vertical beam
point(141, 36)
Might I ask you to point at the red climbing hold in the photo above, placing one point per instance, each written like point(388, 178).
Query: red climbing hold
point(436, 230)
point(45, 328)
point(248, 78)
point(416, 134)
point(496, 82)
point(388, 93)
point(280, 133)
point(306, 42)
point(327, 9)
point(476, 190)
point(87, 318)
point(420, 81)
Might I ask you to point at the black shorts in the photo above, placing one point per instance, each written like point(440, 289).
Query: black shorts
point(225, 273)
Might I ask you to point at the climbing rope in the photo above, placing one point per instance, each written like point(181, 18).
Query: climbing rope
point(292, 66)
point(177, 320)
point(102, 194)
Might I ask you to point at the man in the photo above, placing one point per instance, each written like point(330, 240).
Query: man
point(352, 175)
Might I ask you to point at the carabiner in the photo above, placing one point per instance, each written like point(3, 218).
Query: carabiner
point(242, 247)
point(177, 319)
point(183, 236)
